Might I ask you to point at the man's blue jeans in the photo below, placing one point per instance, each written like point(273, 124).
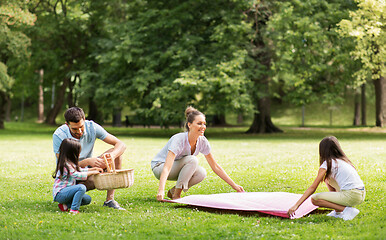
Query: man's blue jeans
point(74, 196)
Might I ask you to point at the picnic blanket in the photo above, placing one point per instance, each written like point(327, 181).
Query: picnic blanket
point(273, 203)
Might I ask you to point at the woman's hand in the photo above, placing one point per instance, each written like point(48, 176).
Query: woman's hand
point(238, 188)
point(291, 211)
point(160, 196)
point(164, 175)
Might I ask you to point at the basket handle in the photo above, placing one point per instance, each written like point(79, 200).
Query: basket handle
point(113, 165)
point(108, 164)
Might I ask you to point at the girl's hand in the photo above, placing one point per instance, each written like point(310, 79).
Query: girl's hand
point(238, 188)
point(291, 211)
point(100, 170)
point(160, 196)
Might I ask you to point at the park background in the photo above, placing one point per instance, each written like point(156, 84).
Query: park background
point(272, 77)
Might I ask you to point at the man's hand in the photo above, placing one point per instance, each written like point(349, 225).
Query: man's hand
point(99, 162)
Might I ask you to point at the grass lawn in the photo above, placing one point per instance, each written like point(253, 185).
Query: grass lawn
point(279, 162)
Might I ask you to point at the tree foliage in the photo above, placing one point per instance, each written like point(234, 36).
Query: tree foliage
point(168, 54)
point(157, 57)
point(59, 46)
point(13, 45)
point(366, 28)
point(311, 60)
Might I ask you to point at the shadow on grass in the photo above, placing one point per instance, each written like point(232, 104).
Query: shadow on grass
point(242, 213)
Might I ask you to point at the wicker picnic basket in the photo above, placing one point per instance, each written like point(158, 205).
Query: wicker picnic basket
point(113, 179)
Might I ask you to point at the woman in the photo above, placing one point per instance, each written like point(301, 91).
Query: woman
point(177, 161)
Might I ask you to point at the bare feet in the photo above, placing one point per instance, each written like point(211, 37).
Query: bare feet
point(171, 192)
point(174, 193)
point(177, 193)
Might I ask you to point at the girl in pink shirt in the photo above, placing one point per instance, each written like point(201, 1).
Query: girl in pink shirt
point(65, 191)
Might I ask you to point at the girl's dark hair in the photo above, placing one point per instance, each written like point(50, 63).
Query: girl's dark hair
point(190, 114)
point(329, 150)
point(68, 154)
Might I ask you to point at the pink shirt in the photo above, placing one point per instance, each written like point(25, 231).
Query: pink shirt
point(68, 179)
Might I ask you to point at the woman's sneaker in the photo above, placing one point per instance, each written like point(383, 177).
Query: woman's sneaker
point(349, 213)
point(63, 207)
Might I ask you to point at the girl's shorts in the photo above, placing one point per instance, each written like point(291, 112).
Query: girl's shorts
point(348, 198)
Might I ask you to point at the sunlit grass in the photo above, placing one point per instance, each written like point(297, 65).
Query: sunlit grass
point(278, 162)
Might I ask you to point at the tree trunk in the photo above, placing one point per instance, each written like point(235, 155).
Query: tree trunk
point(262, 121)
point(71, 99)
point(3, 106)
point(219, 120)
point(41, 97)
point(357, 110)
point(240, 118)
point(380, 101)
point(93, 112)
point(8, 110)
point(262, 54)
point(53, 94)
point(117, 117)
point(51, 116)
point(363, 104)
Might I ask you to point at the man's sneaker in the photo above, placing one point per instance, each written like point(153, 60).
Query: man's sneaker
point(113, 204)
point(334, 214)
point(63, 207)
point(349, 213)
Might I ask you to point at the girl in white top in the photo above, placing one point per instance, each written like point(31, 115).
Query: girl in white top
point(177, 161)
point(345, 186)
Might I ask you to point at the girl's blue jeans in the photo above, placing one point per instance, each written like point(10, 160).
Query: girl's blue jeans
point(74, 196)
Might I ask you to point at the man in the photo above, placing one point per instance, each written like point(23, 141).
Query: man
point(77, 127)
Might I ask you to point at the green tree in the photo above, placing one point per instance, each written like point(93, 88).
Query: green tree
point(366, 27)
point(311, 60)
point(59, 47)
point(258, 67)
point(159, 56)
point(13, 45)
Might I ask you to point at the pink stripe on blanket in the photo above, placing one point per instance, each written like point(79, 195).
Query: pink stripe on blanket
point(273, 203)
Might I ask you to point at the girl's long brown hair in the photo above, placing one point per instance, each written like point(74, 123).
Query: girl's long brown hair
point(68, 155)
point(329, 150)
